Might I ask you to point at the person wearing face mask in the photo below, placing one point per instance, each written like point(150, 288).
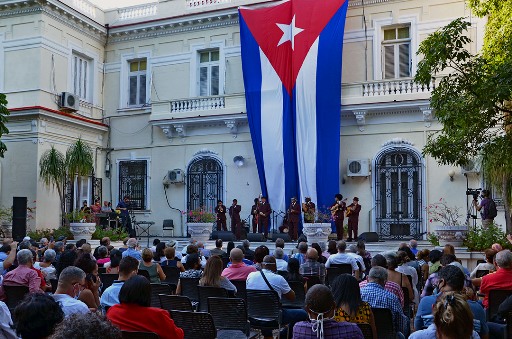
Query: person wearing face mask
point(320, 307)
point(71, 283)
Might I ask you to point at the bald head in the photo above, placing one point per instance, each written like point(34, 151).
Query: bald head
point(236, 255)
point(312, 254)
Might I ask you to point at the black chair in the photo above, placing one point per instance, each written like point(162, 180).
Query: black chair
point(157, 289)
point(283, 274)
point(312, 280)
point(249, 257)
point(168, 225)
point(172, 274)
point(345, 268)
point(205, 292)
point(384, 323)
point(333, 273)
point(14, 294)
point(102, 270)
point(481, 273)
point(144, 273)
point(241, 288)
point(495, 298)
point(175, 302)
point(225, 261)
point(54, 283)
point(366, 329)
point(407, 302)
point(300, 296)
point(189, 288)
point(480, 261)
point(229, 314)
point(195, 324)
point(139, 335)
point(107, 279)
point(264, 309)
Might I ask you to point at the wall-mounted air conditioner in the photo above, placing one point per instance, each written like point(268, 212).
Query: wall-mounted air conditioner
point(358, 167)
point(69, 101)
point(174, 176)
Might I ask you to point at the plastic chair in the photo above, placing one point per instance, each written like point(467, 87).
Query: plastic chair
point(384, 323)
point(14, 294)
point(229, 314)
point(366, 329)
point(157, 289)
point(172, 274)
point(241, 288)
point(495, 298)
point(139, 335)
point(300, 295)
point(205, 292)
point(481, 273)
point(264, 309)
point(107, 279)
point(189, 288)
point(144, 273)
point(345, 268)
point(195, 324)
point(168, 225)
point(175, 302)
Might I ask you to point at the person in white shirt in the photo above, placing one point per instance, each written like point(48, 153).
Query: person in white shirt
point(352, 252)
point(128, 267)
point(282, 265)
point(71, 283)
point(342, 258)
point(6, 327)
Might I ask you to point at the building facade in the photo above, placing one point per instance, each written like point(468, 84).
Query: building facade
point(161, 100)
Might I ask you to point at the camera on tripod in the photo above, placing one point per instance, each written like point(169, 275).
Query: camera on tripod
point(475, 192)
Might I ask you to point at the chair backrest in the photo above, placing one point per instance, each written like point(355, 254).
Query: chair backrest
point(225, 261)
point(172, 274)
point(168, 224)
point(283, 274)
point(206, 292)
point(175, 302)
point(189, 288)
point(107, 279)
point(407, 302)
point(144, 273)
point(195, 324)
point(495, 298)
point(157, 289)
point(366, 329)
point(263, 305)
point(345, 268)
point(384, 323)
point(508, 319)
point(241, 287)
point(312, 280)
point(481, 273)
point(300, 295)
point(14, 294)
point(139, 335)
point(480, 261)
point(229, 314)
point(54, 283)
point(333, 273)
point(102, 270)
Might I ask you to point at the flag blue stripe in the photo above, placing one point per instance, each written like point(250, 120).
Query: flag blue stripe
point(290, 155)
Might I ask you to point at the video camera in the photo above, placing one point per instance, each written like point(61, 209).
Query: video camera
point(475, 192)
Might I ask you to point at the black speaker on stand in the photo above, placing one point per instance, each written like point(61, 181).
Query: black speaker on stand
point(285, 236)
point(255, 237)
point(369, 237)
point(19, 218)
point(224, 235)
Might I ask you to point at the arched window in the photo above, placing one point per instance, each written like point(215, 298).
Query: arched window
point(204, 183)
point(398, 192)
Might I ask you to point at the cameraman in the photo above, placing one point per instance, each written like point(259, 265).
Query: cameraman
point(483, 207)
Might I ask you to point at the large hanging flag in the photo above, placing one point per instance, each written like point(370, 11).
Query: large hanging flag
point(291, 60)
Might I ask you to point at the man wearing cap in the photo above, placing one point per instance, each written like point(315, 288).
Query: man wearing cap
point(263, 215)
point(338, 214)
point(353, 218)
point(293, 219)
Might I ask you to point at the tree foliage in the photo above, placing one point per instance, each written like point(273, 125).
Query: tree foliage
point(4, 113)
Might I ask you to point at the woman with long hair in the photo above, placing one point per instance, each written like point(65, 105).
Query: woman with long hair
point(156, 274)
point(90, 294)
point(293, 271)
point(159, 252)
point(349, 305)
point(212, 275)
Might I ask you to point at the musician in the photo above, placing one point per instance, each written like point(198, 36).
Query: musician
point(236, 222)
point(254, 213)
point(264, 211)
point(353, 218)
point(309, 210)
point(126, 221)
point(221, 210)
point(293, 219)
point(338, 212)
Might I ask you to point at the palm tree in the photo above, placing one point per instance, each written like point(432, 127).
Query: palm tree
point(52, 171)
point(79, 161)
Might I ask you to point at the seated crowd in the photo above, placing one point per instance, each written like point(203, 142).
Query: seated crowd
point(425, 293)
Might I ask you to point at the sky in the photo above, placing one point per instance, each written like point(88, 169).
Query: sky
point(106, 4)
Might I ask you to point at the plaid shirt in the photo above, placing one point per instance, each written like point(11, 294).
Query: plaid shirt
point(332, 330)
point(375, 295)
point(313, 267)
point(392, 287)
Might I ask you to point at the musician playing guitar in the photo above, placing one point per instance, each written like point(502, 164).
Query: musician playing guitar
point(338, 212)
point(308, 208)
point(353, 218)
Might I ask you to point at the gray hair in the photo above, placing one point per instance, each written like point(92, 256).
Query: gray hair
point(49, 255)
point(59, 246)
point(246, 243)
point(131, 243)
point(279, 253)
point(303, 247)
point(504, 259)
point(378, 274)
point(43, 240)
point(24, 257)
point(391, 259)
point(352, 248)
point(71, 274)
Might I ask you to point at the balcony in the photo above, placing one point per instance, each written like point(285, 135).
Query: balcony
point(137, 12)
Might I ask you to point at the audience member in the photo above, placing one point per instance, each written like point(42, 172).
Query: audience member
point(6, 325)
point(413, 245)
point(282, 265)
point(102, 256)
point(321, 259)
point(23, 275)
point(90, 293)
point(128, 267)
point(422, 257)
point(36, 316)
point(312, 267)
point(245, 260)
point(449, 249)
point(156, 274)
point(280, 244)
point(131, 250)
point(352, 252)
point(255, 281)
point(218, 249)
point(301, 256)
point(379, 261)
point(158, 254)
point(319, 307)
point(331, 249)
point(248, 252)
point(349, 305)
point(293, 271)
point(192, 249)
point(212, 275)
point(67, 258)
point(125, 245)
point(501, 279)
point(238, 270)
point(170, 259)
point(105, 241)
point(58, 247)
point(112, 266)
point(259, 255)
point(86, 326)
point(497, 247)
point(7, 256)
point(432, 281)
point(342, 258)
point(135, 298)
point(203, 251)
point(192, 269)
point(487, 265)
point(156, 241)
point(409, 271)
point(395, 276)
point(71, 282)
point(435, 264)
point(46, 267)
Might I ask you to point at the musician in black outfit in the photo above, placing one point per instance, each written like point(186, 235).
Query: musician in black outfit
point(221, 210)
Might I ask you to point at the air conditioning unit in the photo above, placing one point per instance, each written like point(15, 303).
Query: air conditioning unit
point(174, 176)
point(358, 167)
point(69, 101)
point(471, 167)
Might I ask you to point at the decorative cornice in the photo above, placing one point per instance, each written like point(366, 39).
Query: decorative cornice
point(360, 118)
point(355, 3)
point(87, 29)
point(204, 152)
point(397, 142)
point(427, 115)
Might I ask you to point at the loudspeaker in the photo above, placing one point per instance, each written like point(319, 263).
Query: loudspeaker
point(224, 235)
point(19, 218)
point(369, 237)
point(255, 237)
point(285, 236)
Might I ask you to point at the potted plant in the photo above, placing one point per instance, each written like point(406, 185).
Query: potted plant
point(452, 230)
point(81, 224)
point(319, 230)
point(199, 223)
point(6, 221)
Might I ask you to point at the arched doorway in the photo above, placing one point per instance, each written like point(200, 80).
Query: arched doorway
point(204, 183)
point(398, 193)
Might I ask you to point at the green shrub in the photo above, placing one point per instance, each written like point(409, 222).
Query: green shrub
point(433, 239)
point(48, 233)
point(115, 234)
point(480, 239)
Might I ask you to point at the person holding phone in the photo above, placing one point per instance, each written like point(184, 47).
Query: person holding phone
point(90, 292)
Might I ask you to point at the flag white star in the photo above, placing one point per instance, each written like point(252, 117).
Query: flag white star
point(289, 32)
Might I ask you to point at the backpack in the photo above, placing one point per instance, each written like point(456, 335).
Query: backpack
point(492, 212)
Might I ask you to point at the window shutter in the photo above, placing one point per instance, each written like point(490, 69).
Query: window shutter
point(84, 92)
point(203, 81)
point(215, 81)
point(389, 62)
point(404, 60)
point(142, 89)
point(133, 91)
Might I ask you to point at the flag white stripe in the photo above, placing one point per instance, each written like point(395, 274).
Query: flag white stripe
point(272, 133)
point(306, 128)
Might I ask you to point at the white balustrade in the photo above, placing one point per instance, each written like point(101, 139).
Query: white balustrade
point(85, 7)
point(198, 104)
point(399, 86)
point(137, 11)
point(205, 3)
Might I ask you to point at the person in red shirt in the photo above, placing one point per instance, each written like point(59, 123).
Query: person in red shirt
point(501, 279)
point(135, 298)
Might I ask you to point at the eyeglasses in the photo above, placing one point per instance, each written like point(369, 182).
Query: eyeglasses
point(81, 286)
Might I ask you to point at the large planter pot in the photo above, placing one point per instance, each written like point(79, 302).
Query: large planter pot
point(200, 231)
point(453, 235)
point(317, 232)
point(82, 230)
point(7, 229)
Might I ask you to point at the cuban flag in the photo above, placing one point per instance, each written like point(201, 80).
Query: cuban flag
point(291, 61)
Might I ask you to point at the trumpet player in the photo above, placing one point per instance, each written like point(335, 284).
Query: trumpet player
point(220, 210)
point(338, 214)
